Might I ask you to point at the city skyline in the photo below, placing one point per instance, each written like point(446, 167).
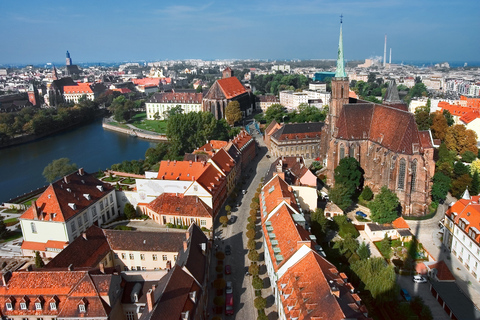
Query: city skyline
point(100, 31)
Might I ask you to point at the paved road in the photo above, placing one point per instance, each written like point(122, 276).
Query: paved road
point(234, 236)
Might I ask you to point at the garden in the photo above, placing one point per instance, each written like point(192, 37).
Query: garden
point(403, 255)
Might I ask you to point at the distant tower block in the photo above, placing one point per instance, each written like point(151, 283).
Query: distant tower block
point(385, 52)
point(33, 95)
point(69, 60)
point(390, 60)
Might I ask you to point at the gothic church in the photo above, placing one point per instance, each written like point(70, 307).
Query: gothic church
point(385, 141)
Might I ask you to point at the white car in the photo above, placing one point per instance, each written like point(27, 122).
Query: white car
point(419, 279)
point(229, 288)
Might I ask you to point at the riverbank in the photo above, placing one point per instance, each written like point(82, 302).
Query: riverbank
point(144, 134)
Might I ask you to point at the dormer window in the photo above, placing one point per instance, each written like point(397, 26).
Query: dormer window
point(9, 306)
point(53, 306)
point(38, 306)
point(193, 295)
point(23, 306)
point(81, 308)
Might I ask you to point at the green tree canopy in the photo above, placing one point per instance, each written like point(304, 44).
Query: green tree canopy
point(58, 168)
point(367, 193)
point(275, 112)
point(341, 195)
point(129, 211)
point(38, 260)
point(423, 118)
point(384, 207)
point(363, 251)
point(349, 173)
point(441, 184)
point(378, 277)
point(233, 113)
point(173, 111)
point(460, 184)
point(319, 224)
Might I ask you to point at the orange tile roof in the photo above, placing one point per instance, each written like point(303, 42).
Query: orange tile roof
point(213, 145)
point(146, 82)
point(223, 161)
point(467, 210)
point(352, 94)
point(172, 204)
point(469, 117)
point(242, 139)
point(231, 87)
point(443, 272)
point(211, 179)
point(400, 223)
point(79, 88)
point(181, 170)
point(274, 192)
point(176, 97)
point(123, 90)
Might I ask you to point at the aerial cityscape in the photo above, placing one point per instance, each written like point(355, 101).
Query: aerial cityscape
point(273, 160)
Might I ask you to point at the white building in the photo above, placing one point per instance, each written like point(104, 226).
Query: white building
point(462, 235)
point(291, 100)
point(160, 103)
point(281, 67)
point(64, 210)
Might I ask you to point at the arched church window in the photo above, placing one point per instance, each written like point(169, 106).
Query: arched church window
point(414, 174)
point(342, 152)
point(401, 174)
point(351, 152)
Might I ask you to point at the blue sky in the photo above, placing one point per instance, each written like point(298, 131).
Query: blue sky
point(95, 31)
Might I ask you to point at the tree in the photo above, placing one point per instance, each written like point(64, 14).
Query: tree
point(38, 260)
point(219, 283)
point(129, 211)
point(223, 220)
point(341, 196)
point(468, 156)
point(254, 269)
point(441, 184)
point(384, 207)
point(439, 126)
point(219, 301)
point(257, 282)
point(460, 184)
point(251, 244)
point(251, 234)
point(386, 247)
point(173, 111)
point(347, 246)
point(275, 112)
point(423, 118)
point(475, 186)
point(363, 251)
point(378, 277)
point(58, 168)
point(319, 224)
point(460, 139)
point(233, 113)
point(253, 255)
point(449, 117)
point(348, 173)
point(260, 303)
point(367, 194)
point(460, 169)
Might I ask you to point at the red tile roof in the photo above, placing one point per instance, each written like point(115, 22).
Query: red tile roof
point(146, 81)
point(223, 161)
point(176, 97)
point(274, 192)
point(242, 139)
point(400, 223)
point(172, 204)
point(212, 145)
point(77, 188)
point(123, 90)
point(469, 117)
point(211, 179)
point(181, 170)
point(79, 88)
point(467, 211)
point(443, 272)
point(231, 87)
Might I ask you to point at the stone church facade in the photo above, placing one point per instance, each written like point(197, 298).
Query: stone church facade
point(385, 141)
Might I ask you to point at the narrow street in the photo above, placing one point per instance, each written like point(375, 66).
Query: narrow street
point(234, 236)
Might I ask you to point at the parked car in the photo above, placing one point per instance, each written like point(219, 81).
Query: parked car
point(405, 295)
point(229, 287)
point(361, 214)
point(419, 279)
point(244, 191)
point(228, 250)
point(228, 269)
point(229, 304)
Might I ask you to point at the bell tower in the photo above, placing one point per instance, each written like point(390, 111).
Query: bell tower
point(340, 86)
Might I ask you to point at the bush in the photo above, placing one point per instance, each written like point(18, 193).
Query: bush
point(254, 269)
point(254, 206)
point(129, 211)
point(367, 194)
point(123, 228)
point(251, 234)
point(260, 303)
point(257, 283)
point(468, 156)
point(251, 244)
point(251, 225)
point(219, 268)
point(219, 301)
point(253, 255)
point(219, 283)
point(262, 315)
point(228, 208)
point(223, 220)
point(220, 255)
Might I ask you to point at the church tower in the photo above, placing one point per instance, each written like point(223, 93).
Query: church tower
point(68, 59)
point(340, 87)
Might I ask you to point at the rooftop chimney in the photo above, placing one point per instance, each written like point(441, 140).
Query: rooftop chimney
point(81, 172)
point(150, 300)
point(6, 276)
point(185, 246)
point(70, 267)
point(84, 235)
point(102, 267)
point(66, 180)
point(35, 210)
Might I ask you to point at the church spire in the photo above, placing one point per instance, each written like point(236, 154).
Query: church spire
point(340, 72)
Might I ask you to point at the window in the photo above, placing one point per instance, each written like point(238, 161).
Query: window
point(164, 257)
point(111, 198)
point(9, 306)
point(123, 256)
point(401, 175)
point(175, 258)
point(154, 257)
point(34, 227)
point(23, 305)
point(144, 268)
point(53, 306)
point(38, 306)
point(74, 226)
point(139, 268)
point(85, 218)
point(142, 256)
point(203, 222)
point(105, 202)
point(342, 152)
point(351, 152)
point(101, 206)
point(79, 221)
point(414, 174)
point(94, 211)
point(81, 308)
point(131, 256)
point(130, 315)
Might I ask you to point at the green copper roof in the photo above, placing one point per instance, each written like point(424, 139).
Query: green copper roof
point(340, 72)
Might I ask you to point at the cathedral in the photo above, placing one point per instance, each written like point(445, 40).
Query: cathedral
point(385, 140)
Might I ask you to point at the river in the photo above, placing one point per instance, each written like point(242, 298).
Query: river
point(88, 146)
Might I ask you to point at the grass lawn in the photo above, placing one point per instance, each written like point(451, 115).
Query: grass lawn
point(12, 236)
point(112, 179)
point(11, 221)
point(139, 116)
point(121, 125)
point(128, 180)
point(159, 126)
point(11, 211)
point(28, 203)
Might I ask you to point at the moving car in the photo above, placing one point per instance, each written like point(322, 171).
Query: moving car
point(228, 250)
point(229, 287)
point(361, 214)
point(405, 295)
point(228, 269)
point(229, 304)
point(419, 279)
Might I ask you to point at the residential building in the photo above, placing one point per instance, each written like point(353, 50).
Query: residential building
point(291, 100)
point(159, 103)
point(398, 229)
point(177, 209)
point(247, 146)
point(264, 102)
point(61, 294)
point(74, 93)
point(64, 210)
point(462, 232)
point(295, 139)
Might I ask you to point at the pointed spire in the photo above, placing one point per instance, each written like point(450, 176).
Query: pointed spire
point(391, 96)
point(340, 72)
point(466, 195)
